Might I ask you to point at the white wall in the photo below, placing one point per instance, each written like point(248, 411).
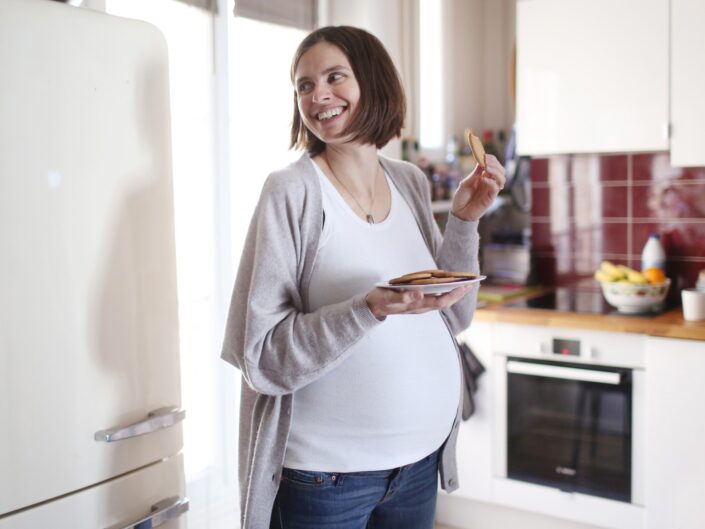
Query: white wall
point(477, 57)
point(478, 62)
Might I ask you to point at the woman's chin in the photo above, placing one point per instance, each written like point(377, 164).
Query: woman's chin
point(333, 137)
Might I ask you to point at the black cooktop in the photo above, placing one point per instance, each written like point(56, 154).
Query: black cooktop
point(566, 299)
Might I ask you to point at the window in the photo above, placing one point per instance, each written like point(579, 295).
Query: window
point(261, 111)
point(431, 111)
point(208, 392)
point(259, 97)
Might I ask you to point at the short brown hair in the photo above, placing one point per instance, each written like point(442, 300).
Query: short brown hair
point(382, 107)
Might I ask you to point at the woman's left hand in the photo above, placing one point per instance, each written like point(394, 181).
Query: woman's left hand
point(477, 191)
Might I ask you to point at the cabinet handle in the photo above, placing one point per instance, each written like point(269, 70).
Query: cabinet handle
point(667, 131)
point(568, 373)
point(161, 512)
point(156, 420)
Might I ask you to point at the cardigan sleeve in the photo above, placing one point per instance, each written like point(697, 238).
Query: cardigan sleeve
point(277, 347)
point(456, 249)
point(459, 251)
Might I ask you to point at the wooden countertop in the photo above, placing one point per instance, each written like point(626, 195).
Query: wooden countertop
point(668, 325)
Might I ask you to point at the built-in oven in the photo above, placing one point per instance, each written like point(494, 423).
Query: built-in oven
point(569, 425)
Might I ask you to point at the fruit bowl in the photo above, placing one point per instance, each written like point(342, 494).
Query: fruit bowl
point(632, 298)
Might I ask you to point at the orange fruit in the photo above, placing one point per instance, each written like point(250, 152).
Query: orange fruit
point(654, 275)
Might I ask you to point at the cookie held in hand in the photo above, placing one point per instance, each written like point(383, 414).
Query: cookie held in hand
point(476, 147)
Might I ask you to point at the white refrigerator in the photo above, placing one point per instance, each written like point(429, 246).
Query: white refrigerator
point(90, 417)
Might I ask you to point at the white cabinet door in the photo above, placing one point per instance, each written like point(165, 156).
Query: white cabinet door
point(118, 502)
point(475, 441)
point(592, 76)
point(675, 425)
point(88, 312)
point(687, 83)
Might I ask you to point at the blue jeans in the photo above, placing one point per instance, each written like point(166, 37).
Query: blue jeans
point(400, 498)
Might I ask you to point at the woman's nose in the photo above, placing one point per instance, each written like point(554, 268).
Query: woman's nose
point(320, 94)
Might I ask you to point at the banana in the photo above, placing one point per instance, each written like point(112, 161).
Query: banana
point(612, 271)
point(632, 276)
point(636, 277)
point(603, 276)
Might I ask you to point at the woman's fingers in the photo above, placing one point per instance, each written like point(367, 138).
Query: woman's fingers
point(494, 171)
point(443, 301)
point(385, 302)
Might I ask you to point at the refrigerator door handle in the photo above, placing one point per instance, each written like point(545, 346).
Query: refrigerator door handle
point(156, 420)
point(161, 512)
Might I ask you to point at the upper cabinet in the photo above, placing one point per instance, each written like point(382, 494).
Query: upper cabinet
point(687, 83)
point(593, 76)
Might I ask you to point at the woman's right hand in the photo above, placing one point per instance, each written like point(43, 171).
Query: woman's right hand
point(384, 302)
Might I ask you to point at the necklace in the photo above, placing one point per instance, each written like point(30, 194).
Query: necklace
point(368, 213)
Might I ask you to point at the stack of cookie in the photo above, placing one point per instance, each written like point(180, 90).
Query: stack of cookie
point(431, 277)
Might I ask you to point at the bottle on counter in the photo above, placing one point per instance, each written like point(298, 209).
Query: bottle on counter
point(501, 146)
point(410, 149)
point(653, 254)
point(452, 152)
point(438, 184)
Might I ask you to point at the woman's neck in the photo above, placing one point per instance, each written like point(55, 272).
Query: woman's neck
point(356, 165)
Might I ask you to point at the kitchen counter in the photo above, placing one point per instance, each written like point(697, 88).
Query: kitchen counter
point(669, 324)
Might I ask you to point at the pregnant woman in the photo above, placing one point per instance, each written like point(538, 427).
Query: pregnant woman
point(350, 393)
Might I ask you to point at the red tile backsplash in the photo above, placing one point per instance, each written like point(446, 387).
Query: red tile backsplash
point(641, 201)
point(614, 201)
point(541, 240)
point(587, 208)
point(615, 238)
point(540, 201)
point(539, 170)
point(613, 167)
point(693, 173)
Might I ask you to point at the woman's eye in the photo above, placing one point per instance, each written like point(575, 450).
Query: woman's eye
point(304, 87)
point(335, 77)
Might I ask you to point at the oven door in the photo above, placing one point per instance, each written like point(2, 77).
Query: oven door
point(569, 426)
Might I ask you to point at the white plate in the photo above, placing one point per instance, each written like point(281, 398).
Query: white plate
point(438, 288)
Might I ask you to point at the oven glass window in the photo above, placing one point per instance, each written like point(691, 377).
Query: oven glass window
point(569, 433)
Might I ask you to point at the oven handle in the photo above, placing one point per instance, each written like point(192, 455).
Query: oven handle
point(568, 373)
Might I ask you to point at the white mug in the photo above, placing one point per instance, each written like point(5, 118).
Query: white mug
point(693, 304)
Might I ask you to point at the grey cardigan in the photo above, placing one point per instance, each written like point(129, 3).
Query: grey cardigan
point(279, 346)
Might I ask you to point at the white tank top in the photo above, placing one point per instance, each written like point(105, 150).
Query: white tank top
point(393, 401)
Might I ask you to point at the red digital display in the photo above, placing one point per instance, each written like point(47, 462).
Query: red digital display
point(565, 347)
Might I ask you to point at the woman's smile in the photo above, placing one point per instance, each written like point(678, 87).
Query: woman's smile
point(327, 115)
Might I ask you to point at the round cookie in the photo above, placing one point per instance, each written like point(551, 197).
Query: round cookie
point(476, 147)
point(459, 275)
point(434, 272)
point(409, 277)
point(434, 280)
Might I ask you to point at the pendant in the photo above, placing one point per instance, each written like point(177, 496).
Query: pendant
point(370, 219)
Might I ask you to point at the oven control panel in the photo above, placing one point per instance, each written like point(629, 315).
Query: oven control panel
point(571, 345)
point(563, 347)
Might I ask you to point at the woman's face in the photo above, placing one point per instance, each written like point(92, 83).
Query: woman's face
point(327, 91)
